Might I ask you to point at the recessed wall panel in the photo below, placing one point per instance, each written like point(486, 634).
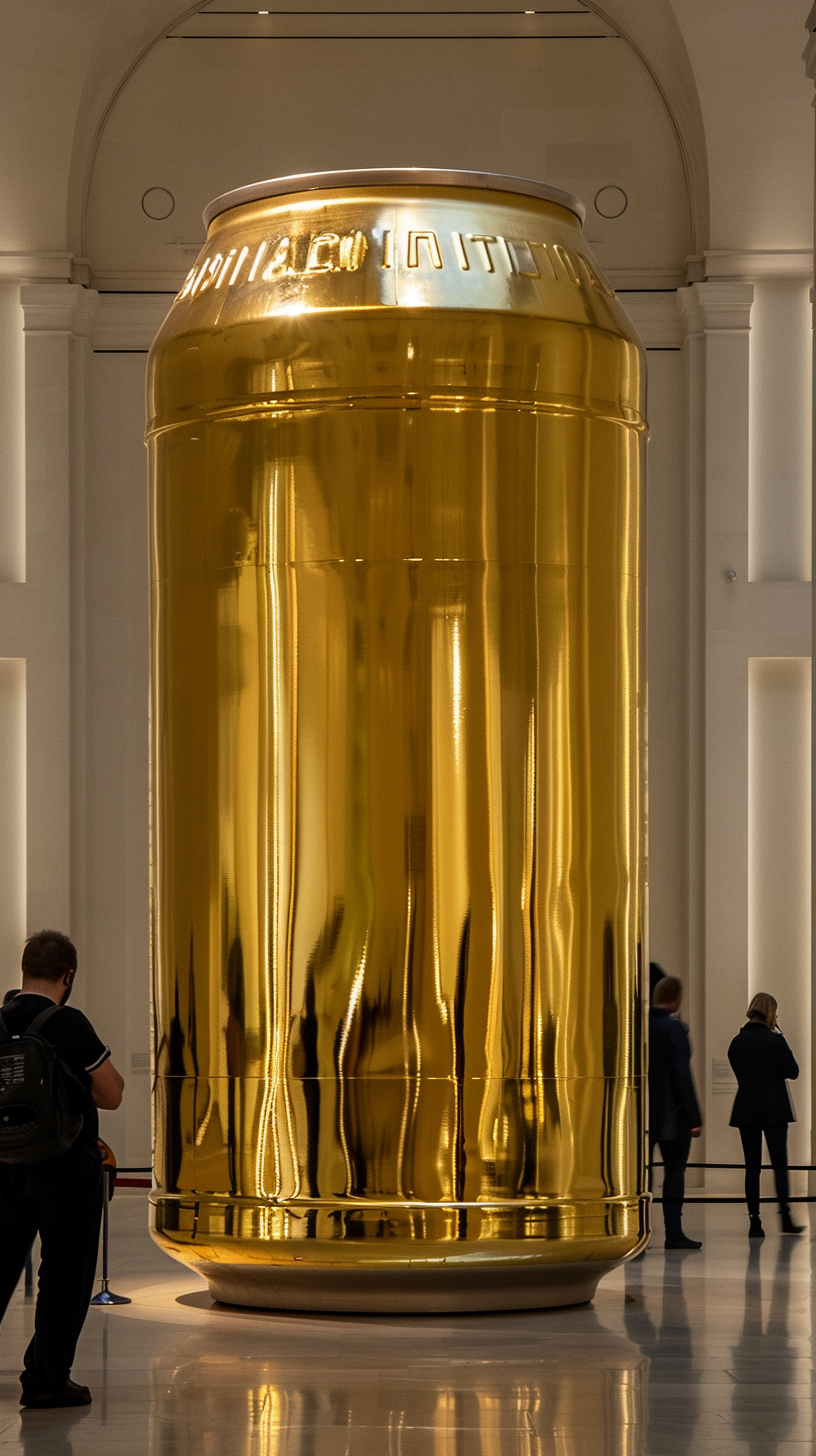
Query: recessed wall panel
point(780, 485)
point(779, 819)
point(12, 426)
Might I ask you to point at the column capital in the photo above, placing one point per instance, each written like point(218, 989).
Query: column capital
point(58, 308)
point(722, 307)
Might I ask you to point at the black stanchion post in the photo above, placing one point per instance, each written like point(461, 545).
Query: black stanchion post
point(105, 1297)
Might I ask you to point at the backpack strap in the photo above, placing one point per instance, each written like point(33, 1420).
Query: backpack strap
point(35, 1027)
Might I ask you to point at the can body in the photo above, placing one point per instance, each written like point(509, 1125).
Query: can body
point(396, 436)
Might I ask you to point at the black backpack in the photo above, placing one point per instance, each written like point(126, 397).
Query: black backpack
point(36, 1117)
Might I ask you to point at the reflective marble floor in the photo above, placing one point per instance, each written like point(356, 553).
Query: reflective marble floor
point(697, 1353)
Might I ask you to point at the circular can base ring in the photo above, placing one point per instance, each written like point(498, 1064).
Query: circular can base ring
point(404, 1291)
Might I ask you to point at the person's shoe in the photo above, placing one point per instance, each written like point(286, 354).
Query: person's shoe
point(681, 1241)
point(756, 1231)
point(788, 1225)
point(70, 1394)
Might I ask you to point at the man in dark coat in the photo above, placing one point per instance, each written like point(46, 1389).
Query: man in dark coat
point(674, 1112)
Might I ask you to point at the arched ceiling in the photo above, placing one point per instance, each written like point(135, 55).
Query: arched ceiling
point(201, 98)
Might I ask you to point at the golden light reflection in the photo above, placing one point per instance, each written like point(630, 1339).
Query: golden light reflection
point(394, 1393)
point(398, 779)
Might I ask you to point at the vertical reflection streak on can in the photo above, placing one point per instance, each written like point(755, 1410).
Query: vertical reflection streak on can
point(342, 1110)
point(587, 1008)
point(558, 940)
point(490, 625)
point(543, 1019)
point(591, 786)
point(531, 1051)
point(450, 850)
point(289, 702)
point(269, 828)
point(407, 1012)
point(219, 907)
point(248, 889)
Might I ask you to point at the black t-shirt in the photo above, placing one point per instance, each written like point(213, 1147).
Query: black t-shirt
point(76, 1043)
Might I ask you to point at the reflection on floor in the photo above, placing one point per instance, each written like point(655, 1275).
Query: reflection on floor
point(680, 1353)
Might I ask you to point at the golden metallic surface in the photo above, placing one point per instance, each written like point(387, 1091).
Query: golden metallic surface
point(396, 439)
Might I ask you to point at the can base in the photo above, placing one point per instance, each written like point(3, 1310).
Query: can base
point(468, 1257)
point(404, 1291)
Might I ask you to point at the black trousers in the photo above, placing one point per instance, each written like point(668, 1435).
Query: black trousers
point(674, 1152)
point(776, 1136)
point(61, 1200)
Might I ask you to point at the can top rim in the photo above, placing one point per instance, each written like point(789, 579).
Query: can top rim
point(391, 177)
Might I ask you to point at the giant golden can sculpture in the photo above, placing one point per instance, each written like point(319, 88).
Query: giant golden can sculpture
point(396, 437)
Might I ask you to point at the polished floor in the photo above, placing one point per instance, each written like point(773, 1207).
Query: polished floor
point(697, 1353)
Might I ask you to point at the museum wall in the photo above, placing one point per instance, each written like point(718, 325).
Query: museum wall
point(700, 114)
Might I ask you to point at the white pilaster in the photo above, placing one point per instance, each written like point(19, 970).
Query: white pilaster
point(40, 615)
point(716, 317)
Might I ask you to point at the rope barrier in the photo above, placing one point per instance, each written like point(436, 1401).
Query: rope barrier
point(734, 1199)
point(739, 1167)
point(792, 1167)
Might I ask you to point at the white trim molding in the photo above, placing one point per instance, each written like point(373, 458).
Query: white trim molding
point(35, 267)
point(752, 264)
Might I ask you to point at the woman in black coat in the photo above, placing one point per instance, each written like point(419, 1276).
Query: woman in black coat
point(762, 1061)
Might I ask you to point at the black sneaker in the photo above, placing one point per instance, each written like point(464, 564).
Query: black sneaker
point(756, 1231)
point(70, 1394)
point(682, 1241)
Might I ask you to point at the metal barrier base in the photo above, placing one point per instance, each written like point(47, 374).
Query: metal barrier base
point(106, 1297)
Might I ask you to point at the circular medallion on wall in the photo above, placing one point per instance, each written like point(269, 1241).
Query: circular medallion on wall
point(158, 203)
point(611, 201)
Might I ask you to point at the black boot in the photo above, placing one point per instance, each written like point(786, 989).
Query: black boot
point(756, 1231)
point(676, 1239)
point(788, 1225)
point(70, 1394)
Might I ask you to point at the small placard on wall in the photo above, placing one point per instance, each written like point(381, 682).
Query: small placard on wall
point(723, 1081)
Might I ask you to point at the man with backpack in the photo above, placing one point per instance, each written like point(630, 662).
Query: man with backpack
point(54, 1074)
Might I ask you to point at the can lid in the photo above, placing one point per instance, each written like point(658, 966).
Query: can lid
point(391, 177)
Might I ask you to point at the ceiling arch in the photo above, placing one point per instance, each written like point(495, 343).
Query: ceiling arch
point(649, 27)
